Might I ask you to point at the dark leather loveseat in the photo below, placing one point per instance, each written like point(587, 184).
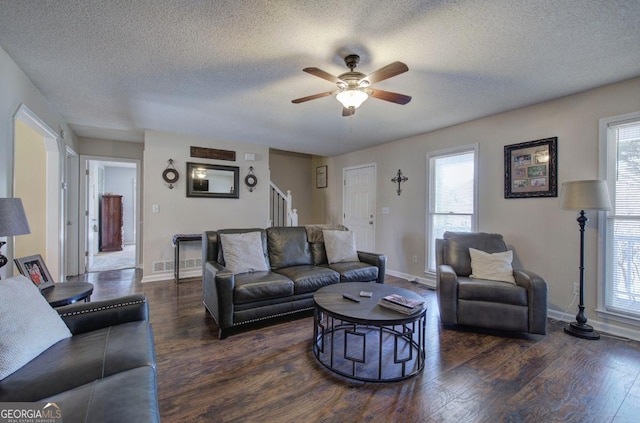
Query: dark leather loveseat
point(105, 372)
point(297, 264)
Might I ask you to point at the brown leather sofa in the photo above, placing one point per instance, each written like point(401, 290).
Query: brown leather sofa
point(105, 372)
point(298, 267)
point(519, 307)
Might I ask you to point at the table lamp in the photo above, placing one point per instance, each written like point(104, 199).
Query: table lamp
point(13, 221)
point(583, 195)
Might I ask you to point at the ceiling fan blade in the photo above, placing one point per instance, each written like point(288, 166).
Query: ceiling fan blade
point(389, 96)
point(348, 111)
point(314, 96)
point(322, 74)
point(393, 69)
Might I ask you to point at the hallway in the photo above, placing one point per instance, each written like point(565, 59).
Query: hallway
point(115, 260)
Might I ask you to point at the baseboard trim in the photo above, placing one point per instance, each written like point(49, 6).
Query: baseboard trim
point(161, 277)
point(602, 327)
point(431, 283)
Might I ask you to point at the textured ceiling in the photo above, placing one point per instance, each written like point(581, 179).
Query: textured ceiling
point(229, 69)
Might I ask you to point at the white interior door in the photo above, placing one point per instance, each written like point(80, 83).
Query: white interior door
point(71, 204)
point(359, 204)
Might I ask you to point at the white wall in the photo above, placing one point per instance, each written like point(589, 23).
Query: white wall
point(545, 239)
point(180, 214)
point(17, 89)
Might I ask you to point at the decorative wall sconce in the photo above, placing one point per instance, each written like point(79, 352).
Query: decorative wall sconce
point(170, 174)
point(398, 179)
point(250, 180)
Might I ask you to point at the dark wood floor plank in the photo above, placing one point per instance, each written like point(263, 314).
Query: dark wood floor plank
point(269, 374)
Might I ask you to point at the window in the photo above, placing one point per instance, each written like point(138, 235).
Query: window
point(620, 283)
point(452, 204)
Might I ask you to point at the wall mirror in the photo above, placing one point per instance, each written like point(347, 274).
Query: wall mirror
point(213, 181)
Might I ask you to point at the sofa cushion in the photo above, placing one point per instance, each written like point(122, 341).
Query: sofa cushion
point(28, 324)
point(340, 246)
point(492, 266)
point(80, 359)
point(243, 252)
point(129, 396)
point(491, 291)
point(355, 271)
point(309, 278)
point(457, 244)
point(319, 253)
point(259, 286)
point(288, 246)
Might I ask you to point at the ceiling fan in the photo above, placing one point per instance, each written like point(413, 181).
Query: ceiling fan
point(353, 87)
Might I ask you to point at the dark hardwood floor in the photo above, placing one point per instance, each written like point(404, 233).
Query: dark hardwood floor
point(269, 374)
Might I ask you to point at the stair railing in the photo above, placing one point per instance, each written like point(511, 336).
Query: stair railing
point(280, 211)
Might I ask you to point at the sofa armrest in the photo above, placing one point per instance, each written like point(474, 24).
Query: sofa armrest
point(217, 291)
point(86, 317)
point(537, 289)
point(447, 290)
point(375, 259)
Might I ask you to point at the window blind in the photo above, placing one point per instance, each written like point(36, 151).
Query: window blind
point(622, 291)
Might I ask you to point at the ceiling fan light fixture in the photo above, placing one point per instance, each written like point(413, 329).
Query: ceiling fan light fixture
point(352, 98)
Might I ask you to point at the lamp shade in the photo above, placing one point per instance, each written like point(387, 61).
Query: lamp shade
point(352, 98)
point(585, 195)
point(13, 221)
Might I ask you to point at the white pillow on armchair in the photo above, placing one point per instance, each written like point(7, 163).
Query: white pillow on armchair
point(492, 266)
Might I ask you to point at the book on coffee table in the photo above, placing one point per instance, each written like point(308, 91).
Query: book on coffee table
point(401, 304)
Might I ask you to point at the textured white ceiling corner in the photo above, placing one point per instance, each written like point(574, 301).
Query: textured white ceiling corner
point(229, 70)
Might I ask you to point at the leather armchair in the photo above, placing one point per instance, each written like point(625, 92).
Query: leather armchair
point(519, 307)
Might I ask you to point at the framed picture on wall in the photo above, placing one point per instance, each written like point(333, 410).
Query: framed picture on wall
point(531, 169)
point(321, 176)
point(33, 267)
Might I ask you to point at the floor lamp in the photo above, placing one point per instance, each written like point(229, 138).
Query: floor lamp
point(13, 221)
point(583, 195)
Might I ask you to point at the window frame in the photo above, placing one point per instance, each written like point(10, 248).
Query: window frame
point(608, 152)
point(469, 148)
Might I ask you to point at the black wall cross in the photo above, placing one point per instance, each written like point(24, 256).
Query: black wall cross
point(399, 179)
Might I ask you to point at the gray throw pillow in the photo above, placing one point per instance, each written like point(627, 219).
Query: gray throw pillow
point(340, 246)
point(243, 252)
point(28, 324)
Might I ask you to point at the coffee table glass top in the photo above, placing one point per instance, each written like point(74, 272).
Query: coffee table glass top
point(329, 298)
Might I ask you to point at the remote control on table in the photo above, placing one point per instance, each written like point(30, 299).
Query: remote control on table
point(351, 297)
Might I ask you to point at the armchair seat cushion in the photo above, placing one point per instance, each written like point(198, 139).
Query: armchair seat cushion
point(355, 271)
point(259, 286)
point(81, 359)
point(309, 278)
point(124, 397)
point(491, 291)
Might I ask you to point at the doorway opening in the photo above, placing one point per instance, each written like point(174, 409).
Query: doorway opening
point(36, 180)
point(111, 202)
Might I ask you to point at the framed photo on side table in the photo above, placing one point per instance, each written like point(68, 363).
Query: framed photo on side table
point(321, 176)
point(531, 169)
point(33, 267)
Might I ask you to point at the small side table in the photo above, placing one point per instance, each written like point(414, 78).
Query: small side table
point(177, 239)
point(65, 293)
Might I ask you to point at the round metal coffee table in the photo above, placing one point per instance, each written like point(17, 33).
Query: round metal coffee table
point(365, 341)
